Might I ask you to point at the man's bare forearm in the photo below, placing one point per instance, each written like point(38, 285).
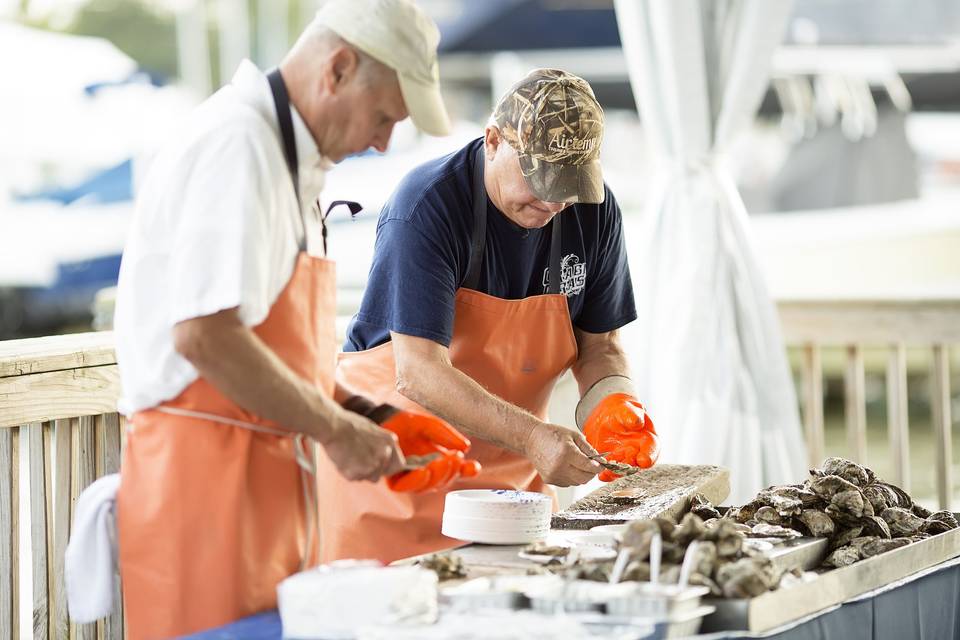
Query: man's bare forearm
point(600, 355)
point(232, 358)
point(446, 391)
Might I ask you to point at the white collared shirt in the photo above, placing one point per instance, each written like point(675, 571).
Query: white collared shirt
point(216, 227)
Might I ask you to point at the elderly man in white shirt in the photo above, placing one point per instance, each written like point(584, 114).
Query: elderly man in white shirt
point(225, 322)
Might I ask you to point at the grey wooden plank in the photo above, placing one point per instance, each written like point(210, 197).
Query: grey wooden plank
point(62, 437)
point(110, 428)
point(38, 529)
point(56, 353)
point(54, 395)
point(855, 410)
point(9, 530)
point(941, 424)
point(813, 403)
point(108, 461)
point(898, 422)
point(84, 473)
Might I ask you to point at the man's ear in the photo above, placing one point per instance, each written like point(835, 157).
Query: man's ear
point(491, 141)
point(339, 69)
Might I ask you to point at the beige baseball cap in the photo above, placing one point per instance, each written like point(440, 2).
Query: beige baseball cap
point(400, 35)
point(554, 122)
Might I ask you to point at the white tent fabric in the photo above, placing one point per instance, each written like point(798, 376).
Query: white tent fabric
point(710, 362)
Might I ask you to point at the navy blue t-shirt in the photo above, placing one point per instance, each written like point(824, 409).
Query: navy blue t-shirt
point(423, 249)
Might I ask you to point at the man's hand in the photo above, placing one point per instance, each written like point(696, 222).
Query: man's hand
point(423, 434)
point(560, 455)
point(620, 428)
point(361, 450)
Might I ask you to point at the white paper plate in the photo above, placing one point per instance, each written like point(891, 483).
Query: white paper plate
point(497, 503)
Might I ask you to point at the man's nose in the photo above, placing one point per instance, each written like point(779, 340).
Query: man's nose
point(381, 141)
point(553, 207)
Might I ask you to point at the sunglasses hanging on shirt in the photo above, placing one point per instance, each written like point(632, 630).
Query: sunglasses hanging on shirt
point(354, 207)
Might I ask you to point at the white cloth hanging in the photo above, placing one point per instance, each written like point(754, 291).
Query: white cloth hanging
point(708, 354)
point(90, 564)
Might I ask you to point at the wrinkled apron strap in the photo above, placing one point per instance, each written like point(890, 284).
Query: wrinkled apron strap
point(304, 454)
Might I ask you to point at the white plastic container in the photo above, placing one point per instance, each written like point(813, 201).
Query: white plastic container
point(332, 602)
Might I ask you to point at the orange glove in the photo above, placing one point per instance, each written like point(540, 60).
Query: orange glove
point(422, 434)
point(620, 428)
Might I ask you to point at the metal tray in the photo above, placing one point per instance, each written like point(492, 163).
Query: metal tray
point(830, 588)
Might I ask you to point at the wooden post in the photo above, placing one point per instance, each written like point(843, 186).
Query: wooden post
point(62, 435)
point(897, 415)
point(38, 530)
point(855, 405)
point(9, 532)
point(941, 423)
point(83, 464)
point(108, 461)
point(813, 402)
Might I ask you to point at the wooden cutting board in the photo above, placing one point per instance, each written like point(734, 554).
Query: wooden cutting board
point(662, 490)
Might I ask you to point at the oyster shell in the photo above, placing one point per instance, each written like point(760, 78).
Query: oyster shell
point(637, 571)
point(904, 500)
point(818, 523)
point(762, 530)
point(875, 526)
point(746, 512)
point(447, 566)
point(846, 469)
point(703, 508)
point(880, 496)
point(939, 522)
point(727, 536)
point(705, 512)
point(705, 558)
point(921, 511)
point(705, 581)
point(849, 503)
point(690, 528)
point(769, 515)
point(784, 500)
point(901, 521)
point(540, 548)
point(877, 546)
point(828, 486)
point(842, 557)
point(810, 500)
point(593, 571)
point(745, 578)
point(846, 536)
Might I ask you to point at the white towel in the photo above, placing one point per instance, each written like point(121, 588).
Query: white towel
point(91, 558)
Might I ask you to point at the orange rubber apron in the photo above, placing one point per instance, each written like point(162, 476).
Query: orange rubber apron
point(215, 505)
point(516, 349)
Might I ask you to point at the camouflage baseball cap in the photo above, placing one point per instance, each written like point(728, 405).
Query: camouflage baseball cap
point(554, 122)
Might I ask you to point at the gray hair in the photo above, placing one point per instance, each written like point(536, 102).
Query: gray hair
point(318, 40)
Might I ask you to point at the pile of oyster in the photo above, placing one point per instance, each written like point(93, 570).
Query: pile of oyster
point(724, 560)
point(845, 502)
point(447, 566)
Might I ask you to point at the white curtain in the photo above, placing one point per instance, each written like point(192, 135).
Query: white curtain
point(710, 361)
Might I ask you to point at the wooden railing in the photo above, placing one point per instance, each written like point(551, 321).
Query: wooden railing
point(58, 399)
point(891, 324)
point(58, 395)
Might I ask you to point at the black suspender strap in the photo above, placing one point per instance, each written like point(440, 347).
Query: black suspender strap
point(281, 103)
point(478, 240)
point(556, 244)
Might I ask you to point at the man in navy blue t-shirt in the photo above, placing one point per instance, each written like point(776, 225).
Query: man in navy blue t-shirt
point(496, 269)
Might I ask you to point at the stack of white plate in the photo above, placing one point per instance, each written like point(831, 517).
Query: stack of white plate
point(496, 516)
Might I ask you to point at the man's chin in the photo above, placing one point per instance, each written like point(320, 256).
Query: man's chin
point(536, 220)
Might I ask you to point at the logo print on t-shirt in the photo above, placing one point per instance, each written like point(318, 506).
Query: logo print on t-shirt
point(573, 276)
